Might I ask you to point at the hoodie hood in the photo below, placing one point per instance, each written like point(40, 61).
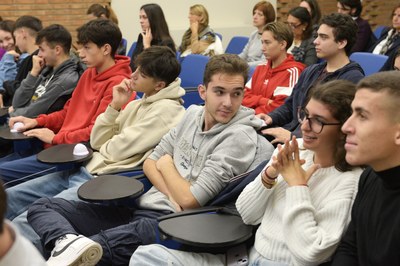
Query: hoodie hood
point(172, 91)
point(288, 63)
point(121, 67)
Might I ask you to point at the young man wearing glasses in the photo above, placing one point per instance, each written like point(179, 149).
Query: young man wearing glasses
point(336, 36)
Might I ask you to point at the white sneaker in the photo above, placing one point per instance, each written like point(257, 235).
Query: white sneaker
point(75, 250)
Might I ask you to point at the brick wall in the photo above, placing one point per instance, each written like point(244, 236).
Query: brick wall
point(72, 13)
point(69, 13)
point(377, 12)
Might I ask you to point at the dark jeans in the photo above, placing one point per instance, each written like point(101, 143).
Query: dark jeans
point(119, 230)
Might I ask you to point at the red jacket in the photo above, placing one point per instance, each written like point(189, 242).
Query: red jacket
point(92, 95)
point(269, 87)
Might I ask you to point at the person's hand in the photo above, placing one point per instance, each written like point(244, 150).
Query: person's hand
point(177, 207)
point(289, 165)
point(267, 119)
point(164, 161)
point(121, 94)
point(281, 135)
point(194, 26)
point(147, 38)
point(15, 54)
point(38, 64)
point(44, 134)
point(28, 122)
point(10, 109)
point(1, 101)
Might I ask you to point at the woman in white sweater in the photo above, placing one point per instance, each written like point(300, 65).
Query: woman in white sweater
point(302, 198)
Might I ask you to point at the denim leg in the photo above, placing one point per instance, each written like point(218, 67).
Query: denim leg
point(27, 231)
point(23, 195)
point(160, 255)
point(256, 259)
point(52, 218)
point(57, 181)
point(21, 170)
point(120, 242)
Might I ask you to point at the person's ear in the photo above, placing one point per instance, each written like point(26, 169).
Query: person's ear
point(283, 45)
point(160, 85)
point(107, 49)
point(342, 44)
point(202, 91)
point(397, 135)
point(58, 49)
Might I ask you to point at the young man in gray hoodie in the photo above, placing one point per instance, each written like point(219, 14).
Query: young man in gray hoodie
point(53, 76)
point(189, 167)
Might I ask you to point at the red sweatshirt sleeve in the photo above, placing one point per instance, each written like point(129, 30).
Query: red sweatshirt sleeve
point(54, 120)
point(82, 135)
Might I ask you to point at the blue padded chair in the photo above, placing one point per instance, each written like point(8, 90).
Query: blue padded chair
point(124, 42)
point(370, 63)
point(251, 71)
point(378, 31)
point(192, 70)
point(130, 52)
point(236, 44)
point(192, 97)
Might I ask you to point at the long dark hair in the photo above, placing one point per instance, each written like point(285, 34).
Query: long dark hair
point(301, 13)
point(158, 24)
point(315, 11)
point(337, 95)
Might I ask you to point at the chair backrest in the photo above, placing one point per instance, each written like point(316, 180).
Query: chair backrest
point(124, 43)
point(192, 97)
point(251, 72)
point(232, 191)
point(378, 31)
point(370, 63)
point(192, 70)
point(236, 44)
point(130, 52)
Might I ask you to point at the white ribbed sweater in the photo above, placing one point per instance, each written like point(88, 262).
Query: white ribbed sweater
point(300, 225)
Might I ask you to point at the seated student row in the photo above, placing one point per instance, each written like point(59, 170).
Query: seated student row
point(215, 131)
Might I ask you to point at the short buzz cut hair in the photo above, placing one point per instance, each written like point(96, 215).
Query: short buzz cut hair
point(160, 63)
point(100, 32)
point(55, 35)
point(229, 64)
point(386, 81)
point(30, 22)
point(344, 28)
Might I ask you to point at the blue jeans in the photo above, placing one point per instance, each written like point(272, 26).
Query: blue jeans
point(23, 195)
point(160, 255)
point(15, 169)
point(118, 229)
point(60, 184)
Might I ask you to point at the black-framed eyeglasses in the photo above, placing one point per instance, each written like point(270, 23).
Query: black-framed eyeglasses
point(314, 123)
point(293, 26)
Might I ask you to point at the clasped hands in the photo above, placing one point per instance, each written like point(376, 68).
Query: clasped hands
point(288, 164)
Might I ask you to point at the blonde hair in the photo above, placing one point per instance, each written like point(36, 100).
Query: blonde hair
point(201, 11)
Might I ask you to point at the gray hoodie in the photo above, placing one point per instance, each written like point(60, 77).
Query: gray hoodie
point(36, 95)
point(208, 160)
